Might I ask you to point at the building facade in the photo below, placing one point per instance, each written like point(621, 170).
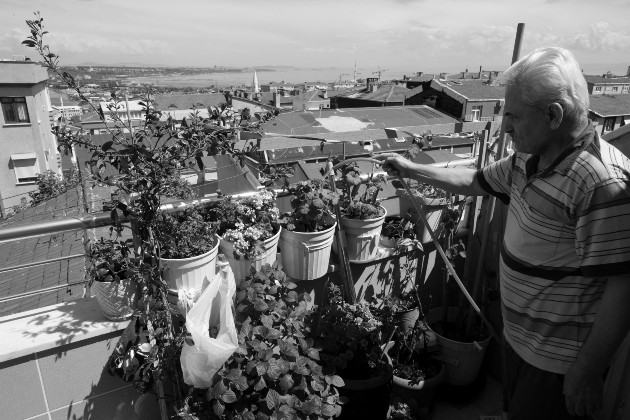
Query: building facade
point(608, 84)
point(28, 145)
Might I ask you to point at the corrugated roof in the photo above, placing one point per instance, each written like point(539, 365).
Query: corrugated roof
point(164, 102)
point(470, 90)
point(610, 105)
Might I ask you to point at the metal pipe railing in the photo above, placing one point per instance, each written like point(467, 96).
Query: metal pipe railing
point(96, 220)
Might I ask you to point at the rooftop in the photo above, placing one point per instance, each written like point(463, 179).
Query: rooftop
point(610, 105)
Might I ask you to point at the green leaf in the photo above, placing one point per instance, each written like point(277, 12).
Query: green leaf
point(272, 399)
point(286, 382)
point(219, 389)
point(261, 384)
point(218, 408)
point(240, 383)
point(335, 380)
point(229, 396)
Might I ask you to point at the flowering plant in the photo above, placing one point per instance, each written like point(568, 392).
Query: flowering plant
point(246, 222)
point(349, 335)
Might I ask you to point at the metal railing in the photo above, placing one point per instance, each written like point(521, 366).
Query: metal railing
point(102, 219)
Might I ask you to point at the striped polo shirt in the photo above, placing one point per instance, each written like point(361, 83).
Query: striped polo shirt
point(567, 229)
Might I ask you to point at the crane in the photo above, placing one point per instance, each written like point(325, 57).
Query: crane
point(379, 73)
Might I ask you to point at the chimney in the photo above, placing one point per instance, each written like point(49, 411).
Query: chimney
point(325, 95)
point(480, 72)
point(419, 73)
point(628, 73)
point(374, 88)
point(276, 99)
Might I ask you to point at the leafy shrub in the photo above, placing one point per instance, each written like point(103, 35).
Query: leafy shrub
point(275, 373)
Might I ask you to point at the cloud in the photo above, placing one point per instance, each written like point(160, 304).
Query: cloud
point(69, 43)
point(599, 37)
point(11, 41)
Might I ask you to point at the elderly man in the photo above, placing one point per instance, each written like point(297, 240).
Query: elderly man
point(565, 259)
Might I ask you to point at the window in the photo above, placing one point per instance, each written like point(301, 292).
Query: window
point(14, 110)
point(615, 88)
point(476, 112)
point(598, 88)
point(25, 166)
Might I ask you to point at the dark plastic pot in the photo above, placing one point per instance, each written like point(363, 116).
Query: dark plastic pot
point(367, 398)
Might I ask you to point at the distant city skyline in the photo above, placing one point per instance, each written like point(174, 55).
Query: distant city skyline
point(409, 35)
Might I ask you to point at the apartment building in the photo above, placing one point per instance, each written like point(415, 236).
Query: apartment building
point(28, 145)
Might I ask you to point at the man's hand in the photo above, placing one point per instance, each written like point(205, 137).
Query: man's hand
point(395, 165)
point(583, 392)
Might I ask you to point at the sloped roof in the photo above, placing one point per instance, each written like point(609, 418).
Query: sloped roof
point(390, 93)
point(610, 105)
point(424, 77)
point(602, 79)
point(355, 119)
point(470, 90)
point(42, 248)
point(267, 98)
point(163, 102)
point(620, 138)
point(316, 95)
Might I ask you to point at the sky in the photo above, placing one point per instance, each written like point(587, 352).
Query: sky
point(422, 35)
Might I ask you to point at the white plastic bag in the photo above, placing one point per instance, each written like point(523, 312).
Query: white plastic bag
point(214, 307)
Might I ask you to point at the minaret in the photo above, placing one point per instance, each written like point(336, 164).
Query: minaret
point(354, 77)
point(255, 83)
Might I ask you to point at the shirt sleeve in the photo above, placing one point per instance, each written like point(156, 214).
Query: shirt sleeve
point(496, 178)
point(603, 229)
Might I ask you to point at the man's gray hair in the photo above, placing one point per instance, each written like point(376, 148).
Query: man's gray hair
point(548, 75)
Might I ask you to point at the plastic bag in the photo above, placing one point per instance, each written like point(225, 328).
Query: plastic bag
point(213, 308)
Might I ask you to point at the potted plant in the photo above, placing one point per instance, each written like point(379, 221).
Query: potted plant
point(276, 372)
point(362, 216)
point(249, 231)
point(113, 277)
point(416, 373)
point(309, 229)
point(349, 336)
point(188, 248)
point(433, 201)
point(399, 233)
point(401, 310)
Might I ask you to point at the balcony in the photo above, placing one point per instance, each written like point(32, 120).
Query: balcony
point(54, 355)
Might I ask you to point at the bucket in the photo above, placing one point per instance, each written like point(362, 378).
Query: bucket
point(432, 208)
point(462, 360)
point(407, 319)
point(242, 267)
point(193, 273)
point(305, 255)
point(117, 299)
point(362, 236)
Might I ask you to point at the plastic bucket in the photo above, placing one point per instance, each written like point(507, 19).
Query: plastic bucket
point(117, 299)
point(305, 255)
point(362, 236)
point(191, 273)
point(242, 266)
point(462, 360)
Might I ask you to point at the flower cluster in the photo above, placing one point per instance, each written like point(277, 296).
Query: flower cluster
point(246, 222)
point(350, 337)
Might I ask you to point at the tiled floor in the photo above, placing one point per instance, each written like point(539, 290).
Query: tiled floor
point(472, 403)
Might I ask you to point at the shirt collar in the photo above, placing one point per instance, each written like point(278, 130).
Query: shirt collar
point(567, 158)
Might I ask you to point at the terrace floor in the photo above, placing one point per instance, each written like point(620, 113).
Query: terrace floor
point(477, 402)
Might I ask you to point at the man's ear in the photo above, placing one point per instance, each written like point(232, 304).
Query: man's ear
point(555, 114)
